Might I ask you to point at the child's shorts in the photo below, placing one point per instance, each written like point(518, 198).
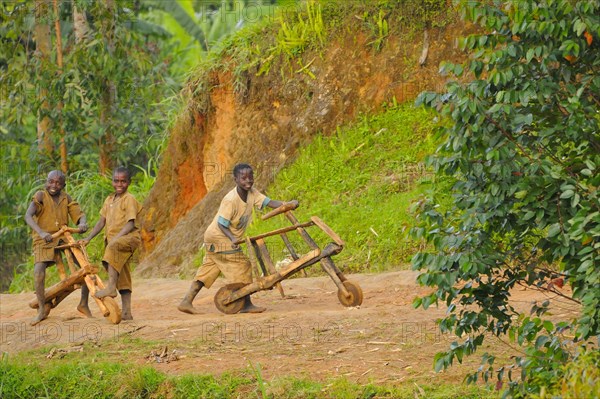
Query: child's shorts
point(44, 251)
point(118, 255)
point(235, 267)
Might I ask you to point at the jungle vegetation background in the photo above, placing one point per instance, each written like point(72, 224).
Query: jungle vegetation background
point(88, 85)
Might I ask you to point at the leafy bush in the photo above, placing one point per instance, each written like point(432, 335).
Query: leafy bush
point(524, 146)
point(578, 379)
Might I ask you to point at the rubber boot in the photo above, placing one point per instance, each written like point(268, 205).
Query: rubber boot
point(186, 303)
point(249, 307)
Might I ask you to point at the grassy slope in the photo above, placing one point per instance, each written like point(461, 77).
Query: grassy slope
point(361, 181)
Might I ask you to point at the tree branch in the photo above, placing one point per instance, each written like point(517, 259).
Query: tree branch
point(508, 136)
point(551, 289)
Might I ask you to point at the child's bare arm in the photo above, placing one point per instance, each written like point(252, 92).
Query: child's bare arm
point(75, 209)
point(126, 229)
point(31, 211)
point(97, 229)
point(82, 224)
point(229, 235)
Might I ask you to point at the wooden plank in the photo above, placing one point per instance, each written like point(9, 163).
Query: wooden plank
point(275, 232)
point(291, 249)
point(289, 246)
point(288, 206)
point(266, 257)
point(79, 254)
point(259, 259)
point(60, 266)
point(59, 287)
point(291, 268)
point(252, 257)
point(71, 261)
point(326, 263)
point(311, 243)
point(267, 282)
point(65, 293)
point(72, 265)
point(92, 282)
point(328, 231)
point(65, 229)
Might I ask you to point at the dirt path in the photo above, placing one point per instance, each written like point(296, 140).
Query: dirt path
point(308, 334)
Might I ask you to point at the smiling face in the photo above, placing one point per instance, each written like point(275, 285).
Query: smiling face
point(120, 182)
point(244, 179)
point(55, 183)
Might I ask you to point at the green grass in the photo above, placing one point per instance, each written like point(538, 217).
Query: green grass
point(361, 181)
point(102, 379)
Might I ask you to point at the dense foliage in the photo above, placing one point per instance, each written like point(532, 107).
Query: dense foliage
point(89, 85)
point(80, 103)
point(525, 147)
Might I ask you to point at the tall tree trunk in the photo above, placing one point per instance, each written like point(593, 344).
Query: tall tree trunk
point(107, 141)
point(43, 45)
point(64, 166)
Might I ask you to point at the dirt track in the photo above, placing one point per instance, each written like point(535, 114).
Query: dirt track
point(308, 334)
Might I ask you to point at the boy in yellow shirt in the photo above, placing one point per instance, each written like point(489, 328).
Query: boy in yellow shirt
point(122, 237)
point(228, 226)
point(49, 210)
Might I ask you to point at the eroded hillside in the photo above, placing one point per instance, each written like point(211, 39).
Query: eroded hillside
point(263, 118)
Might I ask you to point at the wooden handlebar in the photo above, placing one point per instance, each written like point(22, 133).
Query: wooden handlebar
point(288, 206)
point(65, 229)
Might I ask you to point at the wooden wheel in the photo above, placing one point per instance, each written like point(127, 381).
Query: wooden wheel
point(356, 296)
point(115, 312)
point(223, 294)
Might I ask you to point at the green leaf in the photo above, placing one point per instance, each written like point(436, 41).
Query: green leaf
point(567, 194)
point(439, 362)
point(579, 27)
point(529, 215)
point(553, 230)
point(530, 54)
point(521, 194)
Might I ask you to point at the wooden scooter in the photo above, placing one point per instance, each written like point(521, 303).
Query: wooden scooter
point(230, 298)
point(81, 272)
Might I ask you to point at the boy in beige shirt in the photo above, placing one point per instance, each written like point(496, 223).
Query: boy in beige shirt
point(49, 210)
point(228, 226)
point(122, 237)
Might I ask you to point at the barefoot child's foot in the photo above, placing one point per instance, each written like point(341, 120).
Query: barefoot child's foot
point(43, 313)
point(187, 307)
point(85, 310)
point(106, 292)
point(252, 309)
